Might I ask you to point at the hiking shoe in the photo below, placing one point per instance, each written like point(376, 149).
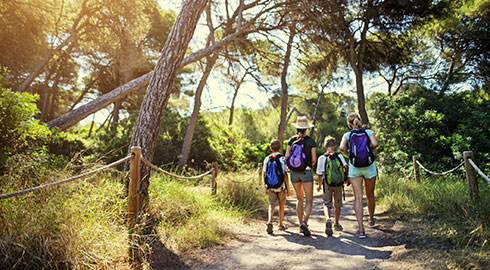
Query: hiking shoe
point(372, 223)
point(283, 227)
point(337, 227)
point(361, 234)
point(304, 230)
point(269, 228)
point(328, 228)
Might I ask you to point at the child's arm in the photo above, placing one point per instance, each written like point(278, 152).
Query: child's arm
point(346, 171)
point(320, 180)
point(286, 179)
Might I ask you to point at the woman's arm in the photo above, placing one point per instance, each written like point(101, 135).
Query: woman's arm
point(343, 145)
point(313, 156)
point(288, 151)
point(374, 142)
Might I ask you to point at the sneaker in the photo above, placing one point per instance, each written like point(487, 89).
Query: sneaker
point(372, 223)
point(304, 229)
point(361, 234)
point(269, 228)
point(328, 228)
point(337, 227)
point(283, 227)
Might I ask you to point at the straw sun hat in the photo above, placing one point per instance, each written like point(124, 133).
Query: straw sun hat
point(302, 123)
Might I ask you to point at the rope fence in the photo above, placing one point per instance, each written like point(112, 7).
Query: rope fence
point(174, 175)
point(471, 170)
point(441, 173)
point(27, 190)
point(478, 170)
point(244, 181)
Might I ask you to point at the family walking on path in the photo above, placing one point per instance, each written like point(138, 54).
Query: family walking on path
point(332, 172)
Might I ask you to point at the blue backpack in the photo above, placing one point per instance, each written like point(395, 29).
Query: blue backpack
point(274, 176)
point(296, 159)
point(360, 152)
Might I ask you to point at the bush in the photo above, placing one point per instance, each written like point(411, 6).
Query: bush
point(19, 130)
point(437, 129)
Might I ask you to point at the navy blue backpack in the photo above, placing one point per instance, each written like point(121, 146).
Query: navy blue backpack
point(274, 176)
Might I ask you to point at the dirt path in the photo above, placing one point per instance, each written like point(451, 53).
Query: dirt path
point(255, 249)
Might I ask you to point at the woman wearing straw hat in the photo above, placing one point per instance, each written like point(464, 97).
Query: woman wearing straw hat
point(301, 170)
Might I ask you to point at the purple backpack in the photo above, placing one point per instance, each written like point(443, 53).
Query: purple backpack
point(360, 152)
point(296, 158)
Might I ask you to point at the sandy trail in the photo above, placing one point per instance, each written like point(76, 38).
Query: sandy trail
point(255, 249)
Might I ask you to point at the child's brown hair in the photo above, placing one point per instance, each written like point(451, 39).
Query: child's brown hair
point(329, 141)
point(275, 145)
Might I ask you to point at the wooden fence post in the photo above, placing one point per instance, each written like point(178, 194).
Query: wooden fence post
point(214, 185)
point(471, 177)
point(416, 169)
point(261, 167)
point(134, 184)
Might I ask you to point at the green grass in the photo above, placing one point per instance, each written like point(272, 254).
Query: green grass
point(440, 211)
point(82, 225)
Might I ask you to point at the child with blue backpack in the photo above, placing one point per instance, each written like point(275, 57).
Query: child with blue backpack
point(331, 171)
point(359, 144)
point(276, 184)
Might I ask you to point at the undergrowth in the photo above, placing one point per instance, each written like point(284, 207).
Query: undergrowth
point(445, 216)
point(82, 225)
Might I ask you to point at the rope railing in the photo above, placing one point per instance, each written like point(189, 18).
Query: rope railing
point(27, 190)
point(244, 181)
point(478, 170)
point(175, 175)
point(441, 173)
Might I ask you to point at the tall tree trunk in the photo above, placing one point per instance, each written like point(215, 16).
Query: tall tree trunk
point(232, 107)
point(115, 115)
point(156, 98)
point(284, 86)
point(186, 146)
point(315, 114)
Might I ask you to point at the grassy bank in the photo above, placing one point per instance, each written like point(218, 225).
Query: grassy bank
point(82, 225)
point(439, 220)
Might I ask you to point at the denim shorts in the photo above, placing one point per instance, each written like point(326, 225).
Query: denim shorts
point(366, 172)
point(301, 176)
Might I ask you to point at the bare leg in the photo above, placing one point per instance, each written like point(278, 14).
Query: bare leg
point(308, 188)
point(298, 188)
point(357, 188)
point(337, 215)
point(272, 209)
point(328, 212)
point(369, 186)
point(281, 213)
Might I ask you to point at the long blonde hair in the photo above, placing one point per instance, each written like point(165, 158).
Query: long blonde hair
point(354, 121)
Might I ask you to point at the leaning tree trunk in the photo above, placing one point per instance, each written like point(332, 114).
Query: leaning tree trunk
point(284, 86)
point(156, 98)
point(186, 146)
point(71, 118)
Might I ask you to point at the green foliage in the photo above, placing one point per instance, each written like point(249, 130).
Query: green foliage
point(189, 216)
point(79, 225)
point(444, 203)
point(19, 129)
point(437, 129)
point(248, 197)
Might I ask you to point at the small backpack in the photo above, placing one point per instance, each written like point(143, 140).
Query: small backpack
point(360, 152)
point(334, 174)
point(296, 159)
point(274, 176)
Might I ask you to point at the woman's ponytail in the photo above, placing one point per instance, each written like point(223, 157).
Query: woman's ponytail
point(354, 121)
